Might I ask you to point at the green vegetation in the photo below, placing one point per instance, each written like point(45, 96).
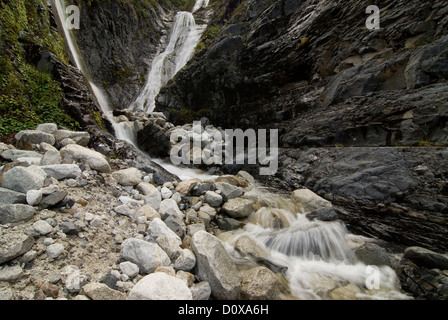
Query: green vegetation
point(28, 96)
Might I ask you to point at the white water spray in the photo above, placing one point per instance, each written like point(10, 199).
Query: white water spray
point(183, 39)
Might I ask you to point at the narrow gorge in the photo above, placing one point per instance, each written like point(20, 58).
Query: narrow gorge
point(349, 119)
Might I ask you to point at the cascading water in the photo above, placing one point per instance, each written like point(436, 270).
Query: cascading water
point(121, 131)
point(183, 39)
point(316, 255)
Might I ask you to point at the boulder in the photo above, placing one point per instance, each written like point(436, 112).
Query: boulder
point(13, 244)
point(372, 254)
point(309, 200)
point(33, 197)
point(166, 193)
point(148, 256)
point(42, 227)
point(177, 225)
point(62, 171)
point(152, 196)
point(213, 199)
point(246, 176)
point(51, 157)
point(11, 197)
point(149, 212)
point(100, 291)
point(201, 290)
point(169, 207)
point(426, 258)
point(47, 128)
point(228, 190)
point(130, 269)
point(157, 228)
point(94, 159)
point(160, 286)
point(228, 224)
point(54, 251)
point(170, 245)
point(14, 154)
point(248, 247)
point(258, 283)
point(186, 261)
point(34, 137)
point(215, 266)
point(79, 137)
point(128, 177)
point(239, 208)
point(323, 214)
point(23, 179)
point(15, 213)
point(53, 199)
point(11, 273)
point(233, 180)
point(184, 187)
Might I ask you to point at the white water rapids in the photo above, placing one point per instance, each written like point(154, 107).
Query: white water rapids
point(318, 256)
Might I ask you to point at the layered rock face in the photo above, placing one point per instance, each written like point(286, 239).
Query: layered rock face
point(313, 70)
point(118, 41)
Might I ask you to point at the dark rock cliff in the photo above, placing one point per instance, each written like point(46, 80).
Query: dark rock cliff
point(118, 40)
point(313, 70)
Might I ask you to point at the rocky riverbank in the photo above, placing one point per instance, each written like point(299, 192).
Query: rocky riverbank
point(76, 224)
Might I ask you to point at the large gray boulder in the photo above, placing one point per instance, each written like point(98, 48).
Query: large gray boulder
point(259, 283)
point(239, 208)
point(11, 197)
point(157, 228)
point(100, 291)
point(35, 137)
point(215, 266)
point(94, 159)
point(372, 254)
point(160, 286)
point(62, 171)
point(148, 256)
point(47, 127)
point(79, 137)
point(309, 200)
point(23, 179)
point(13, 244)
point(15, 213)
point(426, 258)
point(128, 177)
point(228, 190)
point(14, 154)
point(169, 207)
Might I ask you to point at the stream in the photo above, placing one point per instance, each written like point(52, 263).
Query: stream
point(315, 259)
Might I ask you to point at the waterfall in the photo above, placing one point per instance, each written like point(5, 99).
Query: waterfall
point(121, 131)
point(317, 256)
point(183, 39)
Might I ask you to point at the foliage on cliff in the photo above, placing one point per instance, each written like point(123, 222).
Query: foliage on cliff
point(28, 94)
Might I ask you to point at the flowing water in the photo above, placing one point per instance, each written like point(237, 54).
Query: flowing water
point(184, 37)
point(314, 259)
point(317, 257)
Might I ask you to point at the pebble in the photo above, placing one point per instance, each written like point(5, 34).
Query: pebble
point(55, 250)
point(42, 227)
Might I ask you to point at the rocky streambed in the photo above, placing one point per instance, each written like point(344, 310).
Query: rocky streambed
point(76, 224)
